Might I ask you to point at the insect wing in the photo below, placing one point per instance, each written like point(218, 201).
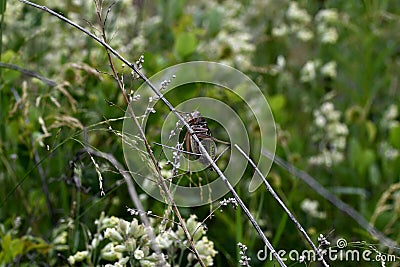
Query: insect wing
point(210, 147)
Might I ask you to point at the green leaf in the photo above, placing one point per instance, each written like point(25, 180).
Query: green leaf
point(355, 152)
point(360, 158)
point(277, 104)
point(173, 9)
point(394, 137)
point(366, 159)
point(371, 130)
point(214, 19)
point(185, 44)
point(17, 247)
point(5, 255)
point(2, 7)
point(374, 174)
point(37, 244)
point(9, 56)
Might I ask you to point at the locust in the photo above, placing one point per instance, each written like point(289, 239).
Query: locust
point(200, 128)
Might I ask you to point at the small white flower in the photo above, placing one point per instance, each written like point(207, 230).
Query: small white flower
point(336, 156)
point(61, 238)
point(327, 107)
point(167, 173)
point(333, 115)
point(77, 2)
point(123, 261)
point(304, 35)
point(320, 121)
point(138, 254)
point(166, 239)
point(71, 260)
point(391, 113)
point(163, 163)
point(281, 62)
point(111, 255)
point(341, 129)
point(339, 143)
point(331, 135)
point(124, 226)
point(110, 222)
point(81, 255)
point(308, 72)
point(120, 248)
point(297, 14)
point(95, 242)
point(192, 224)
point(327, 15)
point(329, 36)
point(280, 30)
point(206, 248)
point(387, 151)
point(329, 69)
point(315, 160)
point(113, 234)
point(311, 207)
point(152, 110)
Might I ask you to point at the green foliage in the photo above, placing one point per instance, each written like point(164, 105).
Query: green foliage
point(3, 6)
point(13, 246)
point(394, 137)
point(118, 241)
point(185, 44)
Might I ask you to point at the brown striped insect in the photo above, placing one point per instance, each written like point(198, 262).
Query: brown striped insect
point(200, 128)
point(190, 148)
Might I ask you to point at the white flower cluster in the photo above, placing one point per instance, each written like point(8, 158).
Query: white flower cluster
point(233, 42)
point(326, 20)
point(387, 151)
point(299, 23)
point(311, 208)
point(279, 66)
point(165, 171)
point(330, 134)
point(204, 246)
point(130, 242)
point(389, 119)
point(230, 200)
point(71, 46)
point(78, 257)
point(244, 259)
point(388, 122)
point(310, 70)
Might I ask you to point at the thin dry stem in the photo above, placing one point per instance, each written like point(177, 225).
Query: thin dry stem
point(344, 207)
point(291, 216)
point(149, 151)
point(131, 188)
